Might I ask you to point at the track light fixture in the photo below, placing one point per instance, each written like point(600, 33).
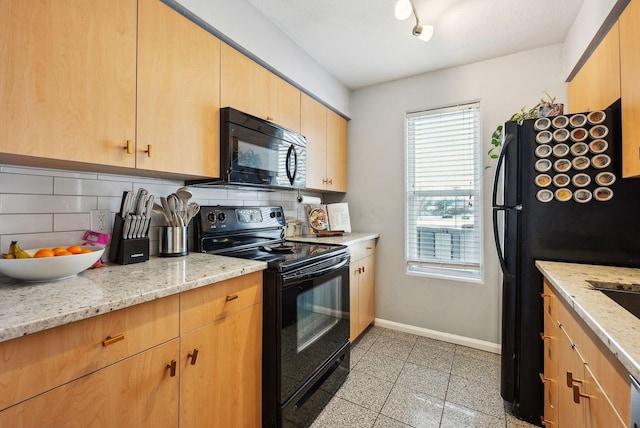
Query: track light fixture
point(404, 9)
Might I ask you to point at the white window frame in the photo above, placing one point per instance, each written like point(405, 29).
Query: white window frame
point(441, 269)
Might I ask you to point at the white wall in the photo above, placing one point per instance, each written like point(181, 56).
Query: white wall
point(249, 28)
point(591, 17)
point(376, 183)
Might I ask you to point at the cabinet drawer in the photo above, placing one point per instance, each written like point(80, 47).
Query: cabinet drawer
point(212, 302)
point(38, 362)
point(362, 249)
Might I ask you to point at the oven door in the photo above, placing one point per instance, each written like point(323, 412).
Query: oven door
point(263, 159)
point(314, 321)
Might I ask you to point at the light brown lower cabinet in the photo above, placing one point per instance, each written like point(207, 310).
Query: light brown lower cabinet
point(188, 360)
point(362, 287)
point(136, 392)
point(585, 385)
point(221, 373)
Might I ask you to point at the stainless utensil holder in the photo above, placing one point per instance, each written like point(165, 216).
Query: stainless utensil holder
point(173, 241)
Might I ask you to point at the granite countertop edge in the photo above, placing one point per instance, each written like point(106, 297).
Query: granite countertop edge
point(346, 239)
point(27, 308)
point(618, 329)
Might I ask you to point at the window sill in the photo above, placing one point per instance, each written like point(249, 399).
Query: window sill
point(449, 275)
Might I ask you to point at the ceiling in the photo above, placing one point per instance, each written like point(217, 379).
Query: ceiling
point(361, 43)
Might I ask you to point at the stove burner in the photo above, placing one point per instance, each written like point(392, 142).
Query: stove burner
point(277, 249)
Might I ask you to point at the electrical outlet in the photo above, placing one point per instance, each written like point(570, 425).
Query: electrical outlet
point(100, 221)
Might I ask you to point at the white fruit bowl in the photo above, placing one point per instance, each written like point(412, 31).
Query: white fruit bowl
point(49, 268)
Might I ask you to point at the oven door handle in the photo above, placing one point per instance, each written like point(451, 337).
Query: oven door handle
point(314, 274)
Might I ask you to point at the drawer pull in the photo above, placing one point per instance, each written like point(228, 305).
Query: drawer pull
point(577, 394)
point(545, 422)
point(230, 298)
point(172, 368)
point(544, 379)
point(149, 150)
point(571, 380)
point(129, 147)
point(111, 340)
point(543, 337)
point(193, 356)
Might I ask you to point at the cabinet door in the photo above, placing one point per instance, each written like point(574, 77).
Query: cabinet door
point(138, 391)
point(367, 296)
point(336, 152)
point(550, 376)
point(68, 81)
point(570, 373)
point(178, 94)
point(630, 88)
point(223, 386)
point(599, 412)
point(284, 103)
point(597, 84)
point(313, 125)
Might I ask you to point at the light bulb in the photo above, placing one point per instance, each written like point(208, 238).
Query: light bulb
point(403, 9)
point(427, 32)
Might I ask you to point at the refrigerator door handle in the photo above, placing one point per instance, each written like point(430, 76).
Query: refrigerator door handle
point(496, 237)
point(496, 177)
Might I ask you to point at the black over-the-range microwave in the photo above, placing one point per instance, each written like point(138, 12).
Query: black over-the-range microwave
point(259, 153)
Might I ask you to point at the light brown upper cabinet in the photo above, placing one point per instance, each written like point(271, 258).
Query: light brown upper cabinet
point(597, 84)
point(247, 86)
point(178, 94)
point(630, 87)
point(68, 86)
point(326, 134)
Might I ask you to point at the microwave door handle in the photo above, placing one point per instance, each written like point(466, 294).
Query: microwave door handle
point(291, 176)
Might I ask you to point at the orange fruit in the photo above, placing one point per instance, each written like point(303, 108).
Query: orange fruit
point(59, 250)
point(64, 253)
point(44, 252)
point(86, 250)
point(74, 249)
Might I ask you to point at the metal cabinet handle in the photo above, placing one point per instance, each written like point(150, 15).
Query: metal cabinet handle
point(571, 380)
point(330, 181)
point(110, 340)
point(230, 298)
point(269, 118)
point(577, 394)
point(149, 150)
point(544, 379)
point(129, 147)
point(543, 337)
point(545, 422)
point(172, 368)
point(193, 356)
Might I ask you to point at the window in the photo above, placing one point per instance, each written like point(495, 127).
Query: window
point(443, 200)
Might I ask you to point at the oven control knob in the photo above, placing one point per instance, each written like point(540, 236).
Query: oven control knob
point(272, 214)
point(222, 216)
point(211, 217)
point(279, 214)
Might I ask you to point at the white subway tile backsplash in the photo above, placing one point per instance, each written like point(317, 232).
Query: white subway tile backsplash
point(25, 223)
point(66, 222)
point(73, 186)
point(46, 207)
point(15, 204)
point(26, 184)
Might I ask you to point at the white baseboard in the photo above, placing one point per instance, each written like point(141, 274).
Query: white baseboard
point(445, 337)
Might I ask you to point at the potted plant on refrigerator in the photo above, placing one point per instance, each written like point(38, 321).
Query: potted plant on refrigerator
point(547, 107)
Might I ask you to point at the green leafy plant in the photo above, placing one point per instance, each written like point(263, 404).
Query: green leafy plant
point(545, 108)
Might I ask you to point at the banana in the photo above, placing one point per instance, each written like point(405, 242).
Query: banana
point(17, 252)
point(8, 256)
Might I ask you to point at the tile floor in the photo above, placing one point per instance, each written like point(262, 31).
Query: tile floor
point(400, 380)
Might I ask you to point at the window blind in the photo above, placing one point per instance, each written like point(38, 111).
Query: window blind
point(443, 200)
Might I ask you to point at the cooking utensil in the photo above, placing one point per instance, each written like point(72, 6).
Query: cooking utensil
point(159, 210)
point(184, 195)
point(174, 203)
point(192, 209)
point(167, 211)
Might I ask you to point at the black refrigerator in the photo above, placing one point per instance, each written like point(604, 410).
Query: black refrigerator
point(558, 195)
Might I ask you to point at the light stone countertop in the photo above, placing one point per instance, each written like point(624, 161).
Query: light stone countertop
point(31, 307)
point(618, 329)
point(346, 239)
